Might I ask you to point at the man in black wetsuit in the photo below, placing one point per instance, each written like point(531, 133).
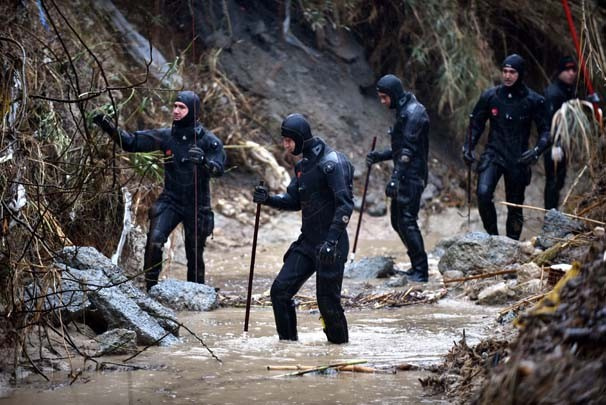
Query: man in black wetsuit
point(562, 89)
point(322, 190)
point(409, 152)
point(192, 155)
point(511, 108)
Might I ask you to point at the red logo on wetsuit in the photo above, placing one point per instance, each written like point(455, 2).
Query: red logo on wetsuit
point(298, 175)
point(168, 152)
point(494, 111)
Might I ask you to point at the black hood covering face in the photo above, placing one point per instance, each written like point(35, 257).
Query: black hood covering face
point(192, 101)
point(392, 86)
point(296, 127)
point(565, 63)
point(515, 61)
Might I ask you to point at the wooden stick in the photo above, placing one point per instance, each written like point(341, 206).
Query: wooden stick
point(352, 367)
point(320, 368)
point(592, 206)
point(477, 276)
point(574, 184)
point(287, 368)
point(544, 210)
point(364, 369)
point(518, 304)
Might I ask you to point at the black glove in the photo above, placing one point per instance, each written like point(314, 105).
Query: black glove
point(196, 155)
point(373, 157)
point(328, 252)
point(260, 195)
point(213, 167)
point(530, 156)
point(468, 156)
point(391, 189)
point(104, 122)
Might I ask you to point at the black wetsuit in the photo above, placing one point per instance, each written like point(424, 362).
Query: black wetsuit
point(186, 195)
point(409, 152)
point(511, 111)
point(322, 190)
point(556, 94)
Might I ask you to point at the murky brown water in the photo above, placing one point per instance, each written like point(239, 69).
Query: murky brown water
point(416, 334)
point(185, 373)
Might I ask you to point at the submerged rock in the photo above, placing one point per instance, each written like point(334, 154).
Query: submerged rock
point(185, 296)
point(478, 252)
point(370, 267)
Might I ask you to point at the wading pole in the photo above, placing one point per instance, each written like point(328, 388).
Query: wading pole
point(252, 264)
point(469, 177)
point(355, 245)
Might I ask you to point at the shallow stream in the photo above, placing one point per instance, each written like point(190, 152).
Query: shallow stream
point(185, 373)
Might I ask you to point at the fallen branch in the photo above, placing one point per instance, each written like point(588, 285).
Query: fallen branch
point(352, 367)
point(321, 368)
point(518, 304)
point(289, 368)
point(548, 255)
point(478, 276)
point(530, 207)
point(363, 369)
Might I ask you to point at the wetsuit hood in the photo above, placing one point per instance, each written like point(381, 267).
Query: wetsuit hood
point(296, 127)
point(192, 101)
point(392, 86)
point(515, 61)
point(565, 63)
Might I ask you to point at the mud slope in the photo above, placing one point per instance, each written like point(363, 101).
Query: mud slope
point(320, 84)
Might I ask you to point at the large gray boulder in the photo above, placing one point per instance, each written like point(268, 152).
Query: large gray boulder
point(165, 316)
point(114, 298)
point(557, 226)
point(69, 296)
point(119, 311)
point(442, 246)
point(478, 252)
point(370, 267)
point(87, 257)
point(185, 296)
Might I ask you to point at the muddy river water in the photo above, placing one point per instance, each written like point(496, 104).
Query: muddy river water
point(185, 373)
